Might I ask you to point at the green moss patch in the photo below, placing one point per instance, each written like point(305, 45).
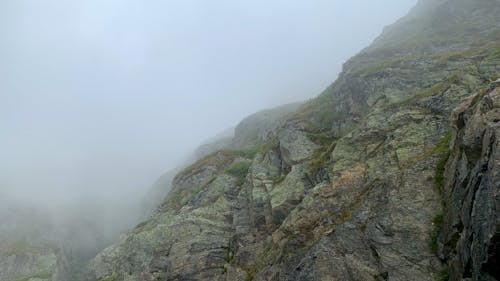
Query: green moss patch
point(443, 149)
point(238, 170)
point(437, 223)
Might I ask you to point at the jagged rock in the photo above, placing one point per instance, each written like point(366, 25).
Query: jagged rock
point(471, 230)
point(345, 187)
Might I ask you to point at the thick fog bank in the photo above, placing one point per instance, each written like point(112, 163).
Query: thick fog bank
point(100, 98)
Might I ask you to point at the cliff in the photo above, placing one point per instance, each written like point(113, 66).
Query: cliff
point(470, 228)
point(350, 185)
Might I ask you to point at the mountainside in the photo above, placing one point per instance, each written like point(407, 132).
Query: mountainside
point(371, 180)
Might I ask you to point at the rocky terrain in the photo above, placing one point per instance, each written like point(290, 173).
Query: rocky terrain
point(392, 173)
point(38, 244)
point(22, 261)
point(355, 184)
point(470, 233)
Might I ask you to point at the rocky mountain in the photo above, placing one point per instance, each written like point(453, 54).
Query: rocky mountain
point(390, 174)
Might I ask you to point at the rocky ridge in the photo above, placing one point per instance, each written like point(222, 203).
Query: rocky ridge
point(348, 186)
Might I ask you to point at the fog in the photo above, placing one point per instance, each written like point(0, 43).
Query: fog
point(99, 98)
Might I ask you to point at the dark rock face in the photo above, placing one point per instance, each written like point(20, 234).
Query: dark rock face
point(471, 231)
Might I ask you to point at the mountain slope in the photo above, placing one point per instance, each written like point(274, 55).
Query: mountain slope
point(346, 188)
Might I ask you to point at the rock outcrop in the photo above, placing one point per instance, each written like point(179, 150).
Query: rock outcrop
point(347, 186)
point(24, 261)
point(470, 239)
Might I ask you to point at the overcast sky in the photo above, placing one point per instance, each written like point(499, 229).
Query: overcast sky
point(99, 97)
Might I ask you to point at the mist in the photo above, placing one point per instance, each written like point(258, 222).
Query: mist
point(99, 98)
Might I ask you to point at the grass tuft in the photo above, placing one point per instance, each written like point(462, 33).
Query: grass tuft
point(238, 170)
point(442, 147)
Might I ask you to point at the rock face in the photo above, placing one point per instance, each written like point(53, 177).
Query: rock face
point(471, 229)
point(39, 244)
point(259, 127)
point(25, 249)
point(27, 262)
point(349, 185)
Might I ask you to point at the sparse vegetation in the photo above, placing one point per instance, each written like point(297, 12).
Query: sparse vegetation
point(229, 251)
point(443, 276)
point(323, 138)
point(23, 248)
point(494, 53)
point(442, 147)
point(248, 152)
point(223, 269)
point(438, 88)
point(251, 271)
point(320, 112)
point(40, 275)
point(238, 170)
point(112, 277)
point(268, 145)
point(321, 157)
point(437, 223)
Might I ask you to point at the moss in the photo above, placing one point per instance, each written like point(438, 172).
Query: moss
point(321, 157)
point(140, 227)
point(438, 88)
point(268, 145)
point(229, 256)
point(44, 275)
point(437, 223)
point(494, 53)
point(266, 252)
point(248, 152)
point(279, 179)
point(219, 159)
point(323, 138)
point(23, 248)
point(238, 170)
point(380, 65)
point(223, 269)
point(443, 276)
point(251, 271)
point(319, 112)
point(112, 277)
point(480, 94)
point(443, 149)
point(181, 197)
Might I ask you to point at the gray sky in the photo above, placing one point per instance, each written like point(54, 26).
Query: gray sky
point(99, 97)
